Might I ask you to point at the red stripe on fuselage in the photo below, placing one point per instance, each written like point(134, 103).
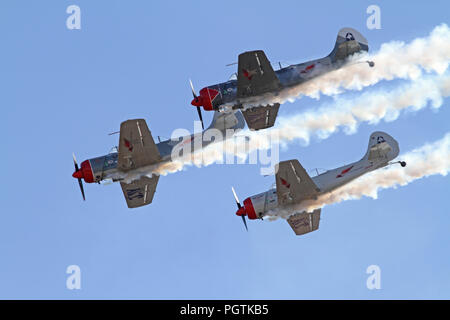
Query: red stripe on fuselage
point(308, 68)
point(343, 172)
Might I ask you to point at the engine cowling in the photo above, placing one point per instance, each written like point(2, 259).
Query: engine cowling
point(205, 99)
point(247, 209)
point(85, 172)
point(255, 207)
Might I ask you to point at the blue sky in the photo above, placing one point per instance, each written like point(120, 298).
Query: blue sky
point(65, 90)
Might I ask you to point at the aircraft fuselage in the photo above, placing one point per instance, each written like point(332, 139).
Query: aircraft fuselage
point(223, 96)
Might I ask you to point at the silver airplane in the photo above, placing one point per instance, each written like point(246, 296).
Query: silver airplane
point(256, 77)
point(294, 185)
point(137, 150)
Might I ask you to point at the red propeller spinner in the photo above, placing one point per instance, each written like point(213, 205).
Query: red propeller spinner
point(204, 99)
point(85, 172)
point(245, 210)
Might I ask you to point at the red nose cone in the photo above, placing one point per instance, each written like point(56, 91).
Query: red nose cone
point(85, 172)
point(205, 99)
point(247, 210)
point(241, 212)
point(197, 101)
point(78, 174)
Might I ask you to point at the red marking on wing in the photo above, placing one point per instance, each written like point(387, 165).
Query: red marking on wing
point(247, 74)
point(343, 172)
point(285, 183)
point(128, 144)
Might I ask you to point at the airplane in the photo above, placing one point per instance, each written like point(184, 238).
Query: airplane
point(137, 150)
point(294, 185)
point(256, 77)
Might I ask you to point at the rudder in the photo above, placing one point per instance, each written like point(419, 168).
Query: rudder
point(348, 42)
point(382, 147)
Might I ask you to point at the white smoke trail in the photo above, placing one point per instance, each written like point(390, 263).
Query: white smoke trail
point(430, 159)
point(370, 107)
point(394, 60)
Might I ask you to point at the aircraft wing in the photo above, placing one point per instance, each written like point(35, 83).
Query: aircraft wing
point(255, 74)
point(140, 192)
point(305, 222)
point(136, 145)
point(261, 117)
point(293, 183)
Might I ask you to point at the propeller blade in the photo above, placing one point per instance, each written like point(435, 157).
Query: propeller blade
point(192, 88)
point(239, 206)
point(199, 111)
point(236, 198)
point(80, 183)
point(200, 116)
point(81, 188)
point(245, 222)
point(75, 161)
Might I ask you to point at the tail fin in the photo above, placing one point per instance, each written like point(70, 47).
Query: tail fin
point(348, 42)
point(382, 148)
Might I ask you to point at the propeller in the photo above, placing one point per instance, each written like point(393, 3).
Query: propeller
point(79, 179)
point(239, 207)
point(199, 111)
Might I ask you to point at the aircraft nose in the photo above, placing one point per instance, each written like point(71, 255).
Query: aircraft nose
point(241, 211)
point(197, 101)
point(205, 98)
point(78, 174)
point(84, 172)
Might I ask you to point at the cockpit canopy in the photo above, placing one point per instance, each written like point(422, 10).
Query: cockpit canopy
point(114, 149)
point(233, 77)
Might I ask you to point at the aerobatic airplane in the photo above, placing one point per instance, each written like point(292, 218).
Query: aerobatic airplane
point(138, 150)
point(294, 185)
point(256, 77)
